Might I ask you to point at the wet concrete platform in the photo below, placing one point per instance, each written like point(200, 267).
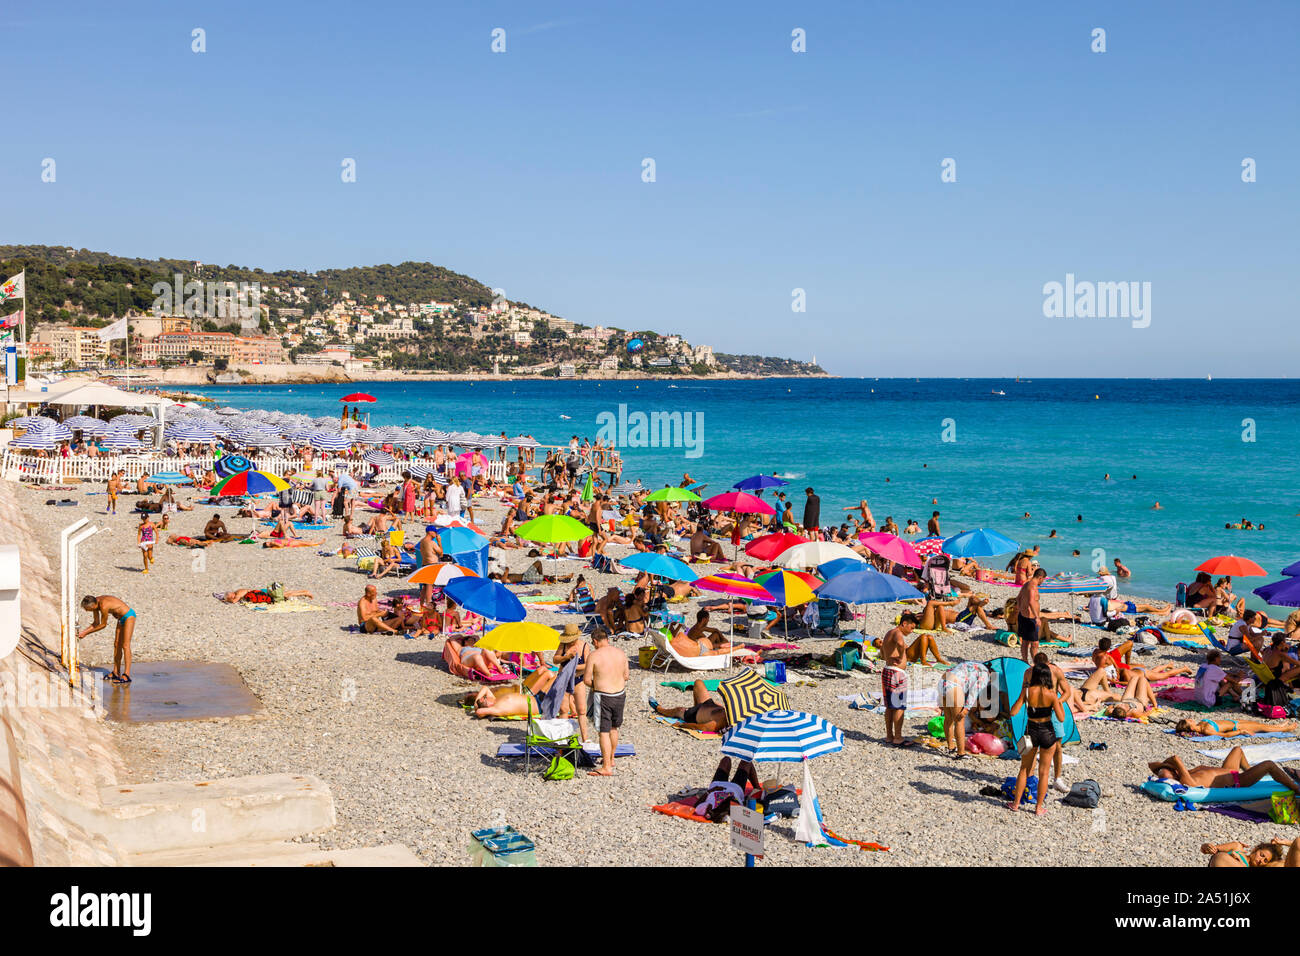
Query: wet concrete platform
point(179, 690)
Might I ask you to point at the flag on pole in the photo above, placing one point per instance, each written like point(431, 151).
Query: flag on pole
point(112, 332)
point(14, 288)
point(9, 321)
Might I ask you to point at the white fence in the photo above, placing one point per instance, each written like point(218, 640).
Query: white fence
point(17, 466)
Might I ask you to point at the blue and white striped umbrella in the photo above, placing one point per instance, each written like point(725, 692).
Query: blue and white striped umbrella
point(170, 478)
point(120, 440)
point(436, 437)
point(83, 422)
point(419, 472)
point(381, 458)
point(30, 421)
point(36, 439)
point(58, 432)
point(785, 736)
point(1073, 584)
point(266, 441)
point(189, 433)
point(493, 441)
point(372, 438)
point(523, 441)
point(324, 441)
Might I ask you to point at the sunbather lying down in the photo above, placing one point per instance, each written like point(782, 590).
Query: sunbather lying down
point(1230, 728)
point(512, 702)
point(292, 543)
point(261, 596)
point(1277, 852)
point(1235, 772)
point(706, 714)
point(919, 650)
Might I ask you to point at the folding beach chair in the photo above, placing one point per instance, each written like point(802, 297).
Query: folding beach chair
point(666, 655)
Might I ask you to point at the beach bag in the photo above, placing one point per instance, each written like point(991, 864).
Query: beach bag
point(1085, 793)
point(1284, 808)
point(276, 590)
point(845, 656)
point(1029, 796)
point(1270, 711)
point(783, 802)
point(559, 769)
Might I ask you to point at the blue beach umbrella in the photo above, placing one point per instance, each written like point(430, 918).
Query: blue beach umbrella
point(663, 565)
point(1073, 584)
point(1292, 570)
point(867, 587)
point(980, 543)
point(170, 478)
point(325, 441)
point(758, 483)
point(1284, 593)
point(460, 540)
point(785, 736)
point(841, 566)
point(484, 596)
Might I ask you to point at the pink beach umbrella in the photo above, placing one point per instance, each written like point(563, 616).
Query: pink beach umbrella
point(892, 547)
point(739, 502)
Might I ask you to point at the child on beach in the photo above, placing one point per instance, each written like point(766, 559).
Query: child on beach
point(146, 535)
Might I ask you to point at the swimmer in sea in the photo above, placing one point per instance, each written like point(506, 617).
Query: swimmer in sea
point(1156, 506)
point(1053, 534)
point(1107, 477)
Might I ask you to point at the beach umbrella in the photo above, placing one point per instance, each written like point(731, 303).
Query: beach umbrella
point(812, 554)
point(788, 588)
point(58, 432)
point(456, 540)
point(785, 736)
point(170, 478)
point(979, 543)
point(1233, 566)
point(523, 441)
point(588, 491)
point(759, 482)
point(228, 465)
point(520, 637)
point(29, 421)
point(769, 546)
point(1284, 593)
point(672, 493)
point(661, 565)
point(35, 439)
point(1292, 569)
point(868, 586)
point(419, 472)
point(748, 695)
point(927, 547)
point(486, 597)
point(439, 575)
point(80, 422)
point(735, 585)
point(739, 502)
point(892, 547)
point(1067, 583)
point(553, 528)
point(189, 433)
point(358, 397)
point(323, 441)
point(381, 458)
point(841, 566)
point(120, 441)
point(250, 483)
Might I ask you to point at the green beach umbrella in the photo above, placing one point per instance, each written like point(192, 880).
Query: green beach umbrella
point(588, 492)
point(552, 529)
point(672, 494)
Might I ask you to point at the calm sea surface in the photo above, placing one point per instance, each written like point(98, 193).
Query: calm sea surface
point(1044, 447)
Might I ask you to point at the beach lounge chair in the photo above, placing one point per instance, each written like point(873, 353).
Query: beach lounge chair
point(458, 669)
point(666, 655)
point(828, 615)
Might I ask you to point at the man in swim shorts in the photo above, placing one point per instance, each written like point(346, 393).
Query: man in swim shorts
point(102, 608)
point(1028, 614)
point(606, 673)
point(705, 714)
point(893, 679)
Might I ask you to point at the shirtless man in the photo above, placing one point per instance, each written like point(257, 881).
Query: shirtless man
point(102, 608)
point(701, 640)
point(114, 489)
point(215, 530)
point(370, 618)
point(1235, 772)
point(893, 679)
point(705, 715)
point(1028, 614)
point(429, 549)
point(606, 674)
point(702, 544)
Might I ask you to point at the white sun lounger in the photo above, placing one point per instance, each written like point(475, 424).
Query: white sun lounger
point(666, 655)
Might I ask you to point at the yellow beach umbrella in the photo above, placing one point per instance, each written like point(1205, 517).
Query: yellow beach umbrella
point(520, 637)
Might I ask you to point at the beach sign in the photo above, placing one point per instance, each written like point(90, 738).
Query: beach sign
point(746, 830)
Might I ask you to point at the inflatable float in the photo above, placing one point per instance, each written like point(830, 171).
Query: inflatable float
point(1172, 790)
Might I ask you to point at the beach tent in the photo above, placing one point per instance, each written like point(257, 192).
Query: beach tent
point(1007, 676)
point(475, 559)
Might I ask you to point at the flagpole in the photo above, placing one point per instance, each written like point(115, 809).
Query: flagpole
point(23, 350)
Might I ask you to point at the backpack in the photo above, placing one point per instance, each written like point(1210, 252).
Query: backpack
point(1085, 793)
point(560, 769)
point(846, 655)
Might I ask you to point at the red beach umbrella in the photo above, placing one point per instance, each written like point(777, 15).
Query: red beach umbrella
point(769, 546)
point(1231, 565)
point(358, 397)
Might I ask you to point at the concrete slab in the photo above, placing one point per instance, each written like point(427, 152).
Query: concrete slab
point(179, 690)
point(283, 854)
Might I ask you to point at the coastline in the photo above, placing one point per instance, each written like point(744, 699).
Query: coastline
point(311, 374)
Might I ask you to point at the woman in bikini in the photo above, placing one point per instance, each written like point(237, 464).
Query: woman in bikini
point(1235, 772)
point(1041, 703)
point(1138, 699)
point(1230, 728)
point(634, 612)
point(1273, 853)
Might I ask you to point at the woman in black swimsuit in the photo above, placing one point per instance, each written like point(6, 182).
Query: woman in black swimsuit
point(1039, 698)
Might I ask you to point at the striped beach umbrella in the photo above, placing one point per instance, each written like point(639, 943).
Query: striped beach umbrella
point(228, 465)
point(440, 575)
point(59, 432)
point(735, 585)
point(115, 440)
point(29, 421)
point(419, 472)
point(324, 441)
point(524, 441)
point(748, 695)
point(266, 441)
point(169, 478)
point(82, 422)
point(189, 433)
point(784, 736)
point(1073, 584)
point(36, 439)
point(381, 458)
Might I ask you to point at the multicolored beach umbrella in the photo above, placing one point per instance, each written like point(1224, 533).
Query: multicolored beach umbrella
point(735, 585)
point(440, 575)
point(250, 483)
point(228, 465)
point(927, 547)
point(788, 588)
point(785, 736)
point(170, 478)
point(748, 695)
point(1067, 583)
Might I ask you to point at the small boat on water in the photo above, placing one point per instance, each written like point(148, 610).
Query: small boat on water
point(997, 391)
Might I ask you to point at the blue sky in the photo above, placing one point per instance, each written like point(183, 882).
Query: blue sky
point(775, 170)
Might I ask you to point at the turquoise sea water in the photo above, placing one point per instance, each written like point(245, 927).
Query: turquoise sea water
point(1044, 448)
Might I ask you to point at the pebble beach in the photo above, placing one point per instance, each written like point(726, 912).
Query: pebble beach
point(377, 717)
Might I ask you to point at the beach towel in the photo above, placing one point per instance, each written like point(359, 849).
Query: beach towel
point(589, 751)
point(1277, 752)
point(551, 701)
point(1212, 739)
point(676, 724)
point(285, 607)
point(709, 685)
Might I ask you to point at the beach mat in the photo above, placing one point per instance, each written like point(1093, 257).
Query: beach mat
point(1277, 752)
point(1211, 739)
point(676, 724)
point(590, 751)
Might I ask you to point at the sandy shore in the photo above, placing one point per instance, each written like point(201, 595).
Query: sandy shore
point(376, 717)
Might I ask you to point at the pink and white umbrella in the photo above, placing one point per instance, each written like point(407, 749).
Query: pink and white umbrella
point(927, 547)
point(892, 547)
